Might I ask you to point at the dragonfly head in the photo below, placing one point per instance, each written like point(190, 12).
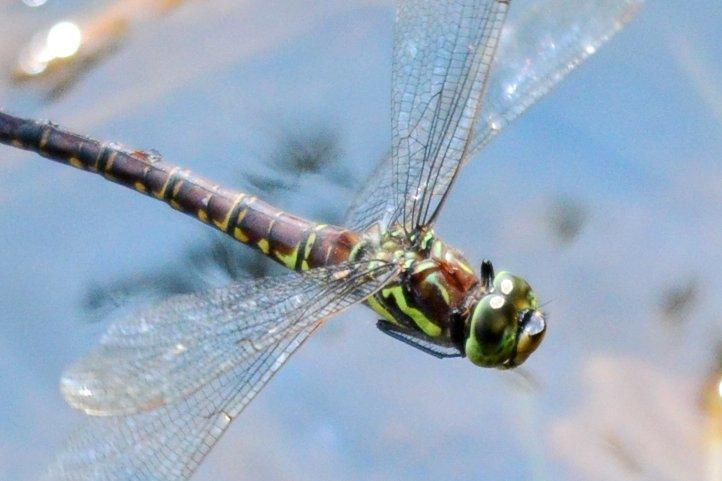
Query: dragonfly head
point(505, 324)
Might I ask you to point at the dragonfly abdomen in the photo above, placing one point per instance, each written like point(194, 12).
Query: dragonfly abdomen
point(296, 243)
point(293, 241)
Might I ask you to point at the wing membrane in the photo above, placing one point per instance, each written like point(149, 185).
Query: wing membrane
point(442, 55)
point(166, 353)
point(168, 441)
point(371, 206)
point(541, 43)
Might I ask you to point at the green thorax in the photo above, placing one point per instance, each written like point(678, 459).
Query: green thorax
point(433, 282)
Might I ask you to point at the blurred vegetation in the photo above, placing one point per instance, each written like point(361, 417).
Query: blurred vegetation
point(677, 301)
point(61, 75)
point(566, 218)
point(105, 29)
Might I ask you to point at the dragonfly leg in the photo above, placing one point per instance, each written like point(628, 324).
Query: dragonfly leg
point(419, 340)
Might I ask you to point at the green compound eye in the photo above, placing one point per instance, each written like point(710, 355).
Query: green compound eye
point(493, 328)
point(516, 289)
point(506, 325)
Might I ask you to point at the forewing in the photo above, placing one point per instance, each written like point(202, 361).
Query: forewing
point(442, 54)
point(167, 353)
point(541, 43)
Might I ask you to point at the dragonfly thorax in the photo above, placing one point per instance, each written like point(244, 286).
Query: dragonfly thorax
point(493, 320)
point(433, 284)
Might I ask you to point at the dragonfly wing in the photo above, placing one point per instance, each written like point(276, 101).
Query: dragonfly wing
point(372, 202)
point(168, 352)
point(168, 443)
point(540, 45)
point(166, 440)
point(442, 55)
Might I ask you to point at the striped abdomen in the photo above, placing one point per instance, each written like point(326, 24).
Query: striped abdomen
point(294, 242)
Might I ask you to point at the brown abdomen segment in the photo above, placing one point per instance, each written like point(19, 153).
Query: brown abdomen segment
point(294, 242)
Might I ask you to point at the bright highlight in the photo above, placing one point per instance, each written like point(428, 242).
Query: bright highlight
point(63, 40)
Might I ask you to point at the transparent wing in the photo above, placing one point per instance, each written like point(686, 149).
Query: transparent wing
point(371, 205)
point(541, 43)
point(168, 442)
point(442, 54)
point(167, 353)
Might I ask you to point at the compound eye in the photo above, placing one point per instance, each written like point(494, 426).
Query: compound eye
point(533, 326)
point(516, 289)
point(492, 322)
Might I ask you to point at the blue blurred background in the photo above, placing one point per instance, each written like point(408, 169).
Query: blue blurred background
point(607, 196)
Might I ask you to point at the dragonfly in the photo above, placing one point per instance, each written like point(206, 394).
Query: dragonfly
point(164, 383)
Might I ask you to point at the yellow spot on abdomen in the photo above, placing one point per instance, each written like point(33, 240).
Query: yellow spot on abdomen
point(288, 260)
point(307, 251)
point(240, 235)
point(223, 225)
point(159, 194)
point(111, 161)
point(264, 246)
